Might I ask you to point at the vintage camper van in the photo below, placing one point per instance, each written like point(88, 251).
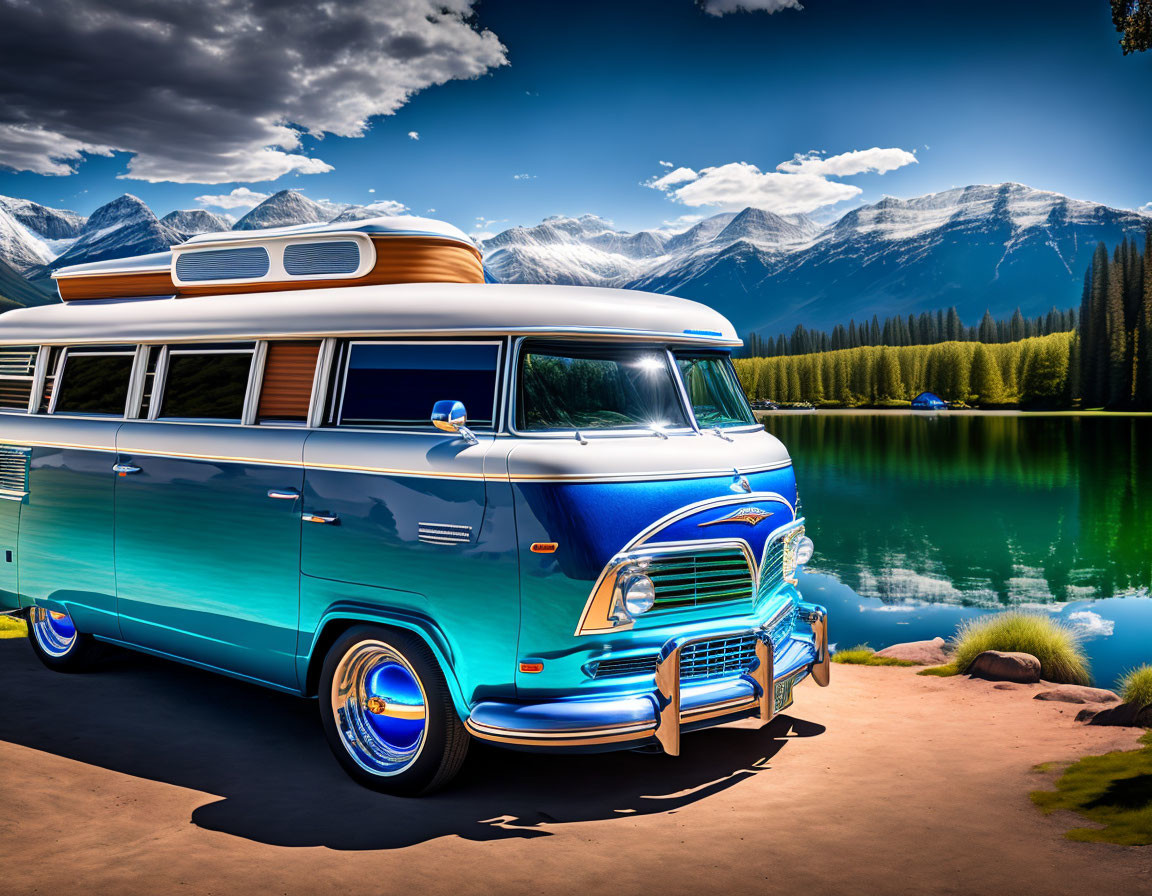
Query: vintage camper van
point(335, 461)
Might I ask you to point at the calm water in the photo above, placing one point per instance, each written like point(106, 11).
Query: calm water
point(921, 522)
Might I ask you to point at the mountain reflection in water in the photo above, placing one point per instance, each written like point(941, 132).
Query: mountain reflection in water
point(982, 512)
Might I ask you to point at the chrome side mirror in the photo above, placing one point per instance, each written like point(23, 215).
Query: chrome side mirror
point(450, 416)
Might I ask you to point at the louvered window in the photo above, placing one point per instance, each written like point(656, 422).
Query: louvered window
point(249, 262)
point(17, 369)
point(286, 390)
point(323, 258)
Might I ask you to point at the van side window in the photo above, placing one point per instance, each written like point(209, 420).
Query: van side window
point(205, 384)
point(93, 381)
point(397, 383)
point(286, 389)
point(17, 368)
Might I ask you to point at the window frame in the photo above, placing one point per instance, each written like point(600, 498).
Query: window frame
point(340, 359)
point(99, 351)
point(675, 354)
point(32, 379)
point(160, 381)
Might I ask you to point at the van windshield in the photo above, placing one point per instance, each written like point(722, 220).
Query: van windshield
point(714, 390)
point(590, 387)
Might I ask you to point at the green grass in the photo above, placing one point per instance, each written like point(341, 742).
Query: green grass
point(1113, 790)
point(1136, 686)
point(1056, 645)
point(12, 628)
point(863, 655)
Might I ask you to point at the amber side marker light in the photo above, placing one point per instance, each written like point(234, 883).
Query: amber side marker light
point(544, 547)
point(533, 666)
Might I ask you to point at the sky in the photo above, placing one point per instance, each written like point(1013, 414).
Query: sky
point(492, 113)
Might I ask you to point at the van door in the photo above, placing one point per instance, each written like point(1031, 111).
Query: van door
point(208, 522)
point(400, 515)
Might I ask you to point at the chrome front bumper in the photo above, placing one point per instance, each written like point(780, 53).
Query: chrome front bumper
point(661, 715)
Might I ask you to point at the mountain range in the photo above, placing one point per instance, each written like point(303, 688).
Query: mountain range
point(994, 247)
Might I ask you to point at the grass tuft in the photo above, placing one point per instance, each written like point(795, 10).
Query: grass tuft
point(1136, 686)
point(12, 628)
point(863, 655)
point(1056, 645)
point(1113, 790)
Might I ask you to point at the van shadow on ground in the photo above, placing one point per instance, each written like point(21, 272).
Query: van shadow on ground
point(264, 755)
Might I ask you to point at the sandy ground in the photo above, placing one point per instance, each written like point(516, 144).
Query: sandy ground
point(148, 777)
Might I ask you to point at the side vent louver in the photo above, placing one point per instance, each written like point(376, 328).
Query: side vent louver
point(14, 472)
point(248, 262)
point(318, 259)
point(17, 365)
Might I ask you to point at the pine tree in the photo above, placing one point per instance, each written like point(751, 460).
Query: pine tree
point(1119, 383)
point(1144, 329)
point(986, 382)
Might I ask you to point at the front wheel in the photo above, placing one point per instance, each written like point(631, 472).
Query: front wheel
point(387, 713)
point(58, 644)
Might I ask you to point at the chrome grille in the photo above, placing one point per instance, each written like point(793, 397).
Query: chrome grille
point(771, 568)
point(712, 659)
point(249, 262)
point(333, 257)
point(689, 580)
point(629, 665)
point(14, 471)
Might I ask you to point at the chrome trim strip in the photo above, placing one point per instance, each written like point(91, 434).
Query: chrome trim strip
point(320, 378)
point(255, 381)
point(43, 353)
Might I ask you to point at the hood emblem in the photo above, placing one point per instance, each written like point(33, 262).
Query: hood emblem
point(749, 515)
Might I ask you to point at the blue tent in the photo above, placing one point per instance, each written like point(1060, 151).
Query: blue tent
point(926, 401)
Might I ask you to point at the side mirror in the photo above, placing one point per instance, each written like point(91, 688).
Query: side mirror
point(450, 416)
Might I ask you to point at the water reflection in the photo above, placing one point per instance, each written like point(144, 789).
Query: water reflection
point(973, 512)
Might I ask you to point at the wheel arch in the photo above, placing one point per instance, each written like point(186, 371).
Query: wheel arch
point(341, 618)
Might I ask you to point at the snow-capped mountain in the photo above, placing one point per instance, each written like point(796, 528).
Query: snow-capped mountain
point(283, 210)
point(192, 221)
point(980, 247)
point(123, 227)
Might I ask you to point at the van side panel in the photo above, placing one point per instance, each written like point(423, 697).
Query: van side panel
point(65, 555)
point(10, 504)
point(465, 580)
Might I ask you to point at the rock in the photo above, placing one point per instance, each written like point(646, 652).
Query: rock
point(922, 653)
point(1075, 693)
point(1007, 686)
point(1128, 714)
point(998, 666)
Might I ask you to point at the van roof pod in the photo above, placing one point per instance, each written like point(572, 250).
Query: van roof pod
point(371, 252)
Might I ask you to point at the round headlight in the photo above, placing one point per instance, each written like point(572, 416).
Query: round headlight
point(803, 550)
point(639, 594)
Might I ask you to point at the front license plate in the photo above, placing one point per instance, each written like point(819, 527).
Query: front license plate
point(784, 692)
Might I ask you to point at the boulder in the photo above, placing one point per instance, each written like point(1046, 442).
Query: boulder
point(1075, 693)
point(1127, 714)
point(922, 653)
point(996, 665)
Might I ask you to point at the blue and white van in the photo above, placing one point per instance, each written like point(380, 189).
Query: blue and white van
point(334, 461)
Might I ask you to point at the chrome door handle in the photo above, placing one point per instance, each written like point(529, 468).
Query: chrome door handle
point(124, 469)
point(284, 494)
point(320, 518)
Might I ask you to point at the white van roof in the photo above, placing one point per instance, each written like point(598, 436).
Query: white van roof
point(424, 309)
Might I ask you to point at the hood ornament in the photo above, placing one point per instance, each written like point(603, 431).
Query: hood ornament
point(750, 515)
point(739, 483)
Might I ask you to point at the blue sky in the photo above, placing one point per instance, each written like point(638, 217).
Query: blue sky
point(586, 100)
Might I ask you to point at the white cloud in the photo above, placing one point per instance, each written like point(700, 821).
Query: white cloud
point(387, 207)
point(859, 161)
point(722, 7)
point(371, 189)
point(798, 186)
point(430, 211)
point(1091, 624)
point(523, 177)
point(1145, 209)
point(682, 223)
point(232, 88)
point(413, 135)
point(482, 235)
point(29, 148)
point(241, 197)
point(664, 164)
point(679, 176)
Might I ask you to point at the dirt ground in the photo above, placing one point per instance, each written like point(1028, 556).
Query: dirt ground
point(148, 777)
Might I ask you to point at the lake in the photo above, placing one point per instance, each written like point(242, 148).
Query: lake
point(923, 521)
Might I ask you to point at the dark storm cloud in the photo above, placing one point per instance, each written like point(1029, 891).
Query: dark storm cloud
point(211, 92)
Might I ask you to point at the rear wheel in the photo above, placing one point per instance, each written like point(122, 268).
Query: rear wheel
point(387, 712)
point(59, 645)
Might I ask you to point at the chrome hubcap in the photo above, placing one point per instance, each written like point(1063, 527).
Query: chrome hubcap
point(380, 708)
point(54, 632)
